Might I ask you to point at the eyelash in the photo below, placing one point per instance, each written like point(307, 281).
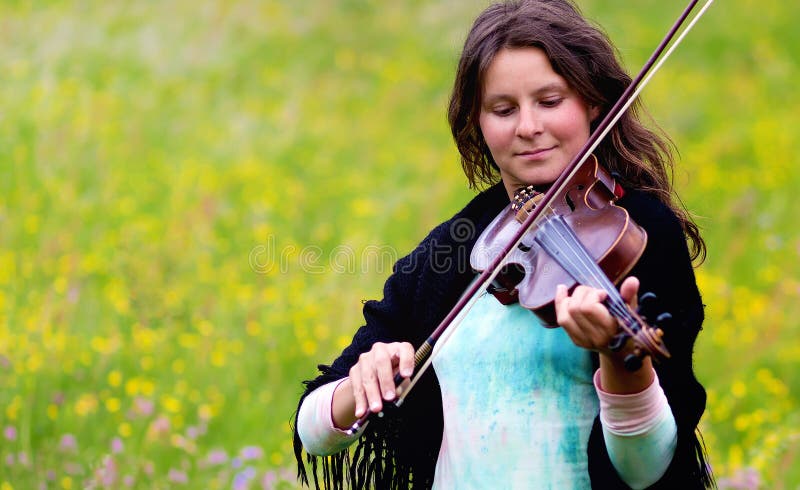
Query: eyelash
point(547, 103)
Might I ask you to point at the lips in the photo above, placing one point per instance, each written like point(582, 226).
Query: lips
point(534, 153)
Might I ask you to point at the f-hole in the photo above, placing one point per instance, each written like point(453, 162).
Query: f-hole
point(510, 275)
point(569, 200)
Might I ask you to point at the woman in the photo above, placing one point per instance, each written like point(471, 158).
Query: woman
point(533, 407)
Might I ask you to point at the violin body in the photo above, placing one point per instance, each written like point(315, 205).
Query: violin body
point(529, 274)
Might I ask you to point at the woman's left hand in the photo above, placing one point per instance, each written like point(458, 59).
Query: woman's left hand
point(586, 319)
point(589, 324)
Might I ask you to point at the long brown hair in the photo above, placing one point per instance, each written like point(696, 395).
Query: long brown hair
point(585, 57)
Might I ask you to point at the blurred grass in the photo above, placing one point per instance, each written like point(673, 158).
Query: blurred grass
point(195, 198)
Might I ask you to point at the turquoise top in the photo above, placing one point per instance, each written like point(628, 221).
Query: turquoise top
point(518, 400)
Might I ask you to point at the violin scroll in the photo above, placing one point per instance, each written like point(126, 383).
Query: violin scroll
point(637, 339)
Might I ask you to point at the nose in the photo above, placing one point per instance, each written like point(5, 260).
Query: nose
point(529, 123)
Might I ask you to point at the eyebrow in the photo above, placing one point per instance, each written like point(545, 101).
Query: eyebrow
point(550, 87)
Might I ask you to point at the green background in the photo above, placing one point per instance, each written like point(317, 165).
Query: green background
point(195, 197)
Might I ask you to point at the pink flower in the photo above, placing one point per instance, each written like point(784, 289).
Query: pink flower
point(143, 407)
point(68, 443)
point(192, 432)
point(251, 452)
point(177, 476)
point(107, 473)
point(117, 446)
point(10, 433)
point(216, 457)
point(269, 480)
point(159, 427)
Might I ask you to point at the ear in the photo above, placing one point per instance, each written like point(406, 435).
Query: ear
point(594, 111)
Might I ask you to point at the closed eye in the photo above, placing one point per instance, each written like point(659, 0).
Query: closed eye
point(551, 102)
point(503, 111)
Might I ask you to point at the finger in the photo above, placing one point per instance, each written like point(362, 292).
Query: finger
point(385, 358)
point(406, 359)
point(562, 305)
point(581, 305)
point(358, 391)
point(369, 381)
point(629, 290)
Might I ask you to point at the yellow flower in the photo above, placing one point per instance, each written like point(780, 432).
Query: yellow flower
point(308, 347)
point(132, 387)
point(217, 358)
point(738, 389)
point(115, 378)
point(124, 429)
point(253, 328)
point(12, 410)
point(34, 362)
point(205, 412)
point(113, 405)
point(147, 387)
point(171, 404)
point(86, 404)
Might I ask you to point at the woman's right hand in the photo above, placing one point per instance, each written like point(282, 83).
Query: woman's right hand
point(371, 381)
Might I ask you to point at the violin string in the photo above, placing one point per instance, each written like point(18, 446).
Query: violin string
point(586, 266)
point(574, 258)
point(586, 275)
point(592, 273)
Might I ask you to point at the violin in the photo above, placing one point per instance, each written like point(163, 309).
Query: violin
point(583, 239)
point(572, 234)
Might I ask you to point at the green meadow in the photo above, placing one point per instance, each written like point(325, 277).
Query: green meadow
point(195, 198)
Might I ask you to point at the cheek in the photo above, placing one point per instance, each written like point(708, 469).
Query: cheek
point(573, 130)
point(493, 133)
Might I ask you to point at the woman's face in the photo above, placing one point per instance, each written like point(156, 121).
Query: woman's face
point(531, 120)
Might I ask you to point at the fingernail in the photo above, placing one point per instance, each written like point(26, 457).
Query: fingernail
point(407, 373)
point(389, 395)
point(375, 406)
point(359, 411)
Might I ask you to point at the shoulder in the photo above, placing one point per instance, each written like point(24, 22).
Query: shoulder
point(477, 213)
point(665, 233)
point(459, 231)
point(649, 211)
point(665, 266)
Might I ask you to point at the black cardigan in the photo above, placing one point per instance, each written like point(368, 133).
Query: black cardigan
point(400, 449)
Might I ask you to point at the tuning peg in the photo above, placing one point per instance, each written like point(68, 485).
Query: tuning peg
point(632, 362)
point(647, 303)
point(618, 341)
point(664, 320)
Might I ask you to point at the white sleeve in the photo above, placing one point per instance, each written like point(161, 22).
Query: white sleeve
point(639, 431)
point(315, 423)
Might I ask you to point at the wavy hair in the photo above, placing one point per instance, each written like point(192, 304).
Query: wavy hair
point(582, 54)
